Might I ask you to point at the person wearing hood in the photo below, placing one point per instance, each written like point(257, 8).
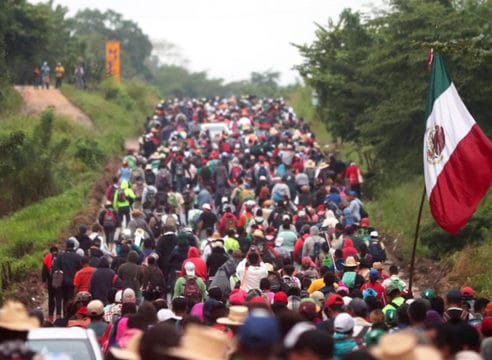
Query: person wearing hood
point(217, 258)
point(176, 259)
point(138, 221)
point(122, 200)
point(131, 274)
point(349, 249)
point(200, 265)
point(312, 243)
point(103, 279)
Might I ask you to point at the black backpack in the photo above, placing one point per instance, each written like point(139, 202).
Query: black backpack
point(377, 252)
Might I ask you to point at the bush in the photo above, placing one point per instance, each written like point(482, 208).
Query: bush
point(87, 150)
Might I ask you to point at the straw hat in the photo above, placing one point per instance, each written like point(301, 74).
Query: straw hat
point(403, 346)
point(236, 317)
point(350, 262)
point(310, 164)
point(201, 343)
point(131, 351)
point(14, 316)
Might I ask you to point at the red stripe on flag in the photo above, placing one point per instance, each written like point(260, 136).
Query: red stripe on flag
point(463, 182)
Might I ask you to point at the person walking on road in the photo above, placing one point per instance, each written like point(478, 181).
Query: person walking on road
point(46, 272)
point(45, 75)
point(59, 73)
point(79, 76)
point(68, 262)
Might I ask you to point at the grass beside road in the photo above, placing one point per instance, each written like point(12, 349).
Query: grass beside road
point(118, 112)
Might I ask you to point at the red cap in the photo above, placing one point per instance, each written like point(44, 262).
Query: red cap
point(257, 299)
point(334, 299)
point(364, 222)
point(237, 297)
point(280, 297)
point(320, 208)
point(488, 308)
point(82, 311)
point(467, 291)
point(486, 326)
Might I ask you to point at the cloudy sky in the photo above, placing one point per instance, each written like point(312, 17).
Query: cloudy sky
point(230, 39)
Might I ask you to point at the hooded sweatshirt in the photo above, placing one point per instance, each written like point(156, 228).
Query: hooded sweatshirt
point(130, 273)
point(102, 280)
point(200, 265)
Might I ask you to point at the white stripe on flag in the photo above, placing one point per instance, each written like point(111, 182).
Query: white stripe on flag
point(450, 113)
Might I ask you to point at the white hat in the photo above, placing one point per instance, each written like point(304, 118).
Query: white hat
point(206, 206)
point(286, 217)
point(166, 314)
point(189, 268)
point(374, 234)
point(344, 323)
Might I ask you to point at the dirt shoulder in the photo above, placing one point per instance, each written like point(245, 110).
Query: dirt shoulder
point(38, 100)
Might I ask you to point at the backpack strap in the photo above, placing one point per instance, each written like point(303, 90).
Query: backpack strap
point(396, 306)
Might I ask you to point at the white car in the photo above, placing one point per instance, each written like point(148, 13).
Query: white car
point(75, 343)
point(214, 129)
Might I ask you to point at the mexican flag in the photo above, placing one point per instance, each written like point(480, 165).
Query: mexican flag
point(457, 154)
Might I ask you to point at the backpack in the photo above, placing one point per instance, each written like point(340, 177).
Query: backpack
point(397, 283)
point(57, 279)
point(349, 279)
point(377, 251)
point(264, 193)
point(109, 218)
point(171, 222)
point(172, 200)
point(121, 195)
point(262, 171)
point(363, 213)
point(150, 199)
point(289, 281)
point(229, 223)
point(163, 178)
point(316, 249)
point(179, 169)
point(157, 227)
point(235, 171)
point(326, 260)
point(192, 292)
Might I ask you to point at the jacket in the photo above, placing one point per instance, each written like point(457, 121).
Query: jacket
point(129, 196)
point(69, 262)
point(200, 265)
point(102, 281)
point(130, 273)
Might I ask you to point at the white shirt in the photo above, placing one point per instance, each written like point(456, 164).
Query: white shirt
point(250, 277)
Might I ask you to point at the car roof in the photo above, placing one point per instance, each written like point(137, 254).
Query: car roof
point(58, 333)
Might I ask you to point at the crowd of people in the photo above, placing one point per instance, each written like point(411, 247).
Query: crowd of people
point(246, 243)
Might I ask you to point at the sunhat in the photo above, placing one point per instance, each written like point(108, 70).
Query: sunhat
point(236, 317)
point(14, 316)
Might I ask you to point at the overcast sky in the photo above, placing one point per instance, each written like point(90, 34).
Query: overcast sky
point(230, 39)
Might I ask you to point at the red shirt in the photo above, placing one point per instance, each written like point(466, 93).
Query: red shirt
point(82, 278)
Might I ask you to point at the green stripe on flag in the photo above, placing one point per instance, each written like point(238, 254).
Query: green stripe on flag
point(439, 82)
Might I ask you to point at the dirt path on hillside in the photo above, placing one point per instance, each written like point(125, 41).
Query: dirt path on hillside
point(38, 100)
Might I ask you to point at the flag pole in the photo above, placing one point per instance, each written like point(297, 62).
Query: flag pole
point(414, 249)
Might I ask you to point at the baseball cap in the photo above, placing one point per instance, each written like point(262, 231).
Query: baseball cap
point(428, 294)
point(391, 289)
point(454, 295)
point(334, 299)
point(189, 268)
point(486, 326)
point(488, 308)
point(206, 206)
point(467, 291)
point(286, 217)
point(83, 296)
point(95, 308)
point(358, 305)
point(280, 297)
point(128, 296)
point(374, 274)
point(374, 234)
point(343, 323)
point(369, 292)
point(259, 331)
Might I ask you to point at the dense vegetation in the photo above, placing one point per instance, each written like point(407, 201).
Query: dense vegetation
point(370, 75)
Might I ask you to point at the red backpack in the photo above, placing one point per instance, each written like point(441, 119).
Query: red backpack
point(192, 292)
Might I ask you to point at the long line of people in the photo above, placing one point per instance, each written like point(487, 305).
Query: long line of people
point(251, 230)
